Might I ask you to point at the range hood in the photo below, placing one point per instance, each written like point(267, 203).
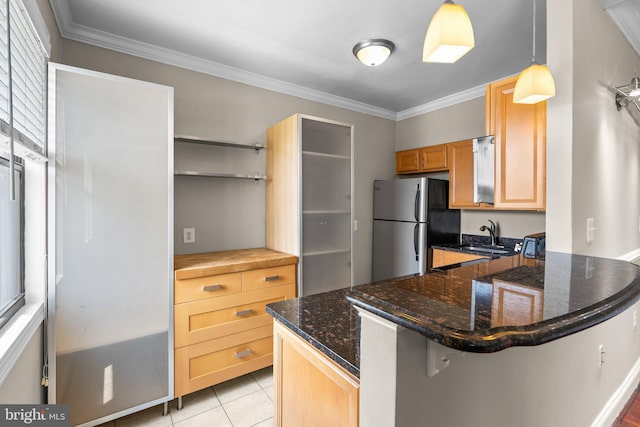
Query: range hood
point(483, 169)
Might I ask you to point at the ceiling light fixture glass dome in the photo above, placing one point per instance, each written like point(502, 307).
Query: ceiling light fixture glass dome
point(373, 52)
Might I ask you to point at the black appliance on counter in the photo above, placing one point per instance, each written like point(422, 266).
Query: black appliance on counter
point(533, 245)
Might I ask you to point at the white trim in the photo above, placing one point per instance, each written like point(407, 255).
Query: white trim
point(447, 101)
point(617, 401)
point(17, 334)
point(630, 256)
point(38, 24)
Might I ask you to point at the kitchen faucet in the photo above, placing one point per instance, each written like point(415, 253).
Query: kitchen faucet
point(492, 229)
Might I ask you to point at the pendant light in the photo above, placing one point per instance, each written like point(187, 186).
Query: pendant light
point(535, 83)
point(373, 52)
point(449, 36)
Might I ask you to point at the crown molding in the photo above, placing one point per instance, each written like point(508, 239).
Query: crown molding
point(447, 101)
point(83, 34)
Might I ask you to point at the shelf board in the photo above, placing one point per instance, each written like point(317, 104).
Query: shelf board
point(254, 177)
point(195, 140)
point(328, 252)
point(333, 156)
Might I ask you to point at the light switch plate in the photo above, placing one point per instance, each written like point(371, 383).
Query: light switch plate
point(591, 230)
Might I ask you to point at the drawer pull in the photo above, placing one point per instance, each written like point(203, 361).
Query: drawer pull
point(212, 288)
point(244, 313)
point(243, 354)
point(271, 278)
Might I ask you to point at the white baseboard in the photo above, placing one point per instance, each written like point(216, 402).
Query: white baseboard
point(630, 256)
point(616, 402)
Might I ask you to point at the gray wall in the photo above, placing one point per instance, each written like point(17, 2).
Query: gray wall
point(231, 214)
point(593, 153)
point(606, 142)
point(463, 121)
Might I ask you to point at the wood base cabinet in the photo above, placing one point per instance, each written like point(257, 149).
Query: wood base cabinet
point(221, 328)
point(310, 389)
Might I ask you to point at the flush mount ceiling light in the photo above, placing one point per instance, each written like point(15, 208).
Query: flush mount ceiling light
point(449, 36)
point(373, 52)
point(535, 83)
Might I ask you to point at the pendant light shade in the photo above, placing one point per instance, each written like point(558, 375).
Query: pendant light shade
point(449, 36)
point(373, 52)
point(535, 83)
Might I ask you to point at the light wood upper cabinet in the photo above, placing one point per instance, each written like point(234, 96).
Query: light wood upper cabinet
point(407, 161)
point(520, 138)
point(426, 159)
point(460, 155)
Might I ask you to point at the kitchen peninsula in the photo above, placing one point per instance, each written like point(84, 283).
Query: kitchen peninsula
point(511, 341)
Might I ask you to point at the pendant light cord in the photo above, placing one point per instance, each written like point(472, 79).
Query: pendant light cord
point(533, 60)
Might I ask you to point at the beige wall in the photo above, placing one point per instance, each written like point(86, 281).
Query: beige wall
point(463, 121)
point(230, 214)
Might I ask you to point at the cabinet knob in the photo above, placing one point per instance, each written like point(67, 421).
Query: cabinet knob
point(243, 354)
point(212, 288)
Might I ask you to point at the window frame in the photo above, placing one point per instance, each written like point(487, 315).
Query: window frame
point(17, 301)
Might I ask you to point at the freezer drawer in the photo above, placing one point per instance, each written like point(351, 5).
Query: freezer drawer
point(399, 249)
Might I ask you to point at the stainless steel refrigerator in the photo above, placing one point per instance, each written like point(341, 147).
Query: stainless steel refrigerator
point(410, 215)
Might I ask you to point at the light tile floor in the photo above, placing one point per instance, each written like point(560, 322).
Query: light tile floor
point(246, 401)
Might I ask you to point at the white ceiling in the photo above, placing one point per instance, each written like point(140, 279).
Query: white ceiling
point(304, 48)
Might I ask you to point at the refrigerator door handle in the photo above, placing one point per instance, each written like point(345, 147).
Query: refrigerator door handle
point(415, 241)
point(416, 204)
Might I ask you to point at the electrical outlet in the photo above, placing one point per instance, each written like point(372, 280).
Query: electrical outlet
point(635, 319)
point(189, 235)
point(601, 355)
point(591, 230)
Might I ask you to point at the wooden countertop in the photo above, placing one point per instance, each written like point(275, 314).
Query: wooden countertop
point(209, 263)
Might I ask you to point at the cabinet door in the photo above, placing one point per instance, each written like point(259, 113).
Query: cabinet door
point(407, 161)
point(433, 158)
point(301, 371)
point(441, 257)
point(520, 138)
point(461, 175)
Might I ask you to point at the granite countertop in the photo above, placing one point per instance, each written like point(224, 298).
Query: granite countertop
point(511, 301)
point(483, 307)
point(328, 322)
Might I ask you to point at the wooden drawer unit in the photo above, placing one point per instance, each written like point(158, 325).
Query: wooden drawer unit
point(215, 317)
point(214, 361)
point(221, 328)
point(207, 287)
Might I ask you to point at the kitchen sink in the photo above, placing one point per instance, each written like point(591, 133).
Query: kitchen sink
point(487, 249)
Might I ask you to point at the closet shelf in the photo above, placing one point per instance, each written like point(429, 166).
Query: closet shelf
point(195, 140)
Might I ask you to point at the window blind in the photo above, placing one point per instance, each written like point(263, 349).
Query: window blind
point(28, 80)
point(4, 70)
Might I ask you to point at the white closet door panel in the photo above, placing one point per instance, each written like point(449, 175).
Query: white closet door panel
point(113, 153)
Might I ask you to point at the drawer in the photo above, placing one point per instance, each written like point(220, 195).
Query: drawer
point(268, 277)
point(211, 362)
point(207, 287)
point(199, 321)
